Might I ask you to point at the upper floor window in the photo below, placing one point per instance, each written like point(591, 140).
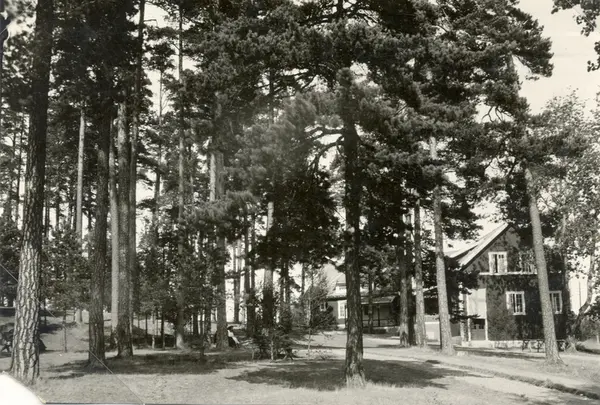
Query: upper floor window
point(497, 262)
point(557, 304)
point(515, 302)
point(323, 306)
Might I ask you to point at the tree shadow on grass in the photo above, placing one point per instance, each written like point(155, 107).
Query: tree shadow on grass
point(148, 364)
point(497, 353)
point(328, 375)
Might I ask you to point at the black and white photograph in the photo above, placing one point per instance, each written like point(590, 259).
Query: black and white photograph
point(355, 202)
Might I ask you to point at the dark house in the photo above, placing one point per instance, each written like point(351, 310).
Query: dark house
point(505, 305)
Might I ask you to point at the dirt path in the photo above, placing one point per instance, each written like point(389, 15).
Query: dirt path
point(456, 381)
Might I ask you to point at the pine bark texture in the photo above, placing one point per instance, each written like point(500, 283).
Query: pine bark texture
point(96, 354)
point(551, 346)
point(124, 341)
point(114, 233)
point(355, 373)
point(135, 129)
point(236, 283)
point(217, 191)
point(249, 293)
point(25, 353)
point(180, 326)
point(444, 313)
point(80, 153)
point(268, 287)
point(403, 294)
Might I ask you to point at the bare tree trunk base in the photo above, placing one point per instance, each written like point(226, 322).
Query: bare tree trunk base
point(356, 381)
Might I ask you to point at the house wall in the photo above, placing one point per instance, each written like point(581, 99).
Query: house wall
point(382, 315)
point(501, 324)
point(505, 326)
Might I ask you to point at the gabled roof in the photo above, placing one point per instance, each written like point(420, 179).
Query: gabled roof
point(466, 255)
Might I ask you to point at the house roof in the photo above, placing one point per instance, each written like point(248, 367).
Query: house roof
point(466, 255)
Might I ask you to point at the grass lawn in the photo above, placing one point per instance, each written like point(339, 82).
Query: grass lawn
point(174, 377)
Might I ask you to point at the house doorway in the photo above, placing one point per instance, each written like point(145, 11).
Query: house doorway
point(478, 329)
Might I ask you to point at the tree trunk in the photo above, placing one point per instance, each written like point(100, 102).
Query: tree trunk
point(19, 169)
point(410, 302)
point(96, 355)
point(236, 284)
point(420, 333)
point(268, 288)
point(216, 193)
point(124, 341)
point(65, 334)
point(370, 302)
point(180, 327)
point(552, 355)
point(444, 313)
point(403, 297)
point(162, 329)
point(154, 320)
point(135, 127)
point(195, 330)
point(355, 374)
point(114, 234)
point(207, 322)
point(80, 154)
point(25, 353)
point(303, 279)
point(249, 292)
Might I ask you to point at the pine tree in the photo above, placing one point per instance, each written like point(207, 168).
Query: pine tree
point(25, 354)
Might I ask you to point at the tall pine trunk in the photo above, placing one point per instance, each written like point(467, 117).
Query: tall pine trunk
point(80, 154)
point(443, 310)
point(236, 283)
point(25, 353)
point(96, 354)
point(124, 341)
point(216, 193)
point(552, 355)
point(135, 127)
point(268, 315)
point(420, 333)
point(403, 330)
point(19, 170)
point(355, 374)
point(114, 233)
point(180, 326)
point(79, 193)
point(249, 293)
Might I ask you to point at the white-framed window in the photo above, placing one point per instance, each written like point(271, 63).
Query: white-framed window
point(498, 262)
point(556, 299)
point(342, 309)
point(515, 302)
point(323, 306)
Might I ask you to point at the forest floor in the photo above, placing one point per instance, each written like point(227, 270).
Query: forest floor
point(170, 376)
